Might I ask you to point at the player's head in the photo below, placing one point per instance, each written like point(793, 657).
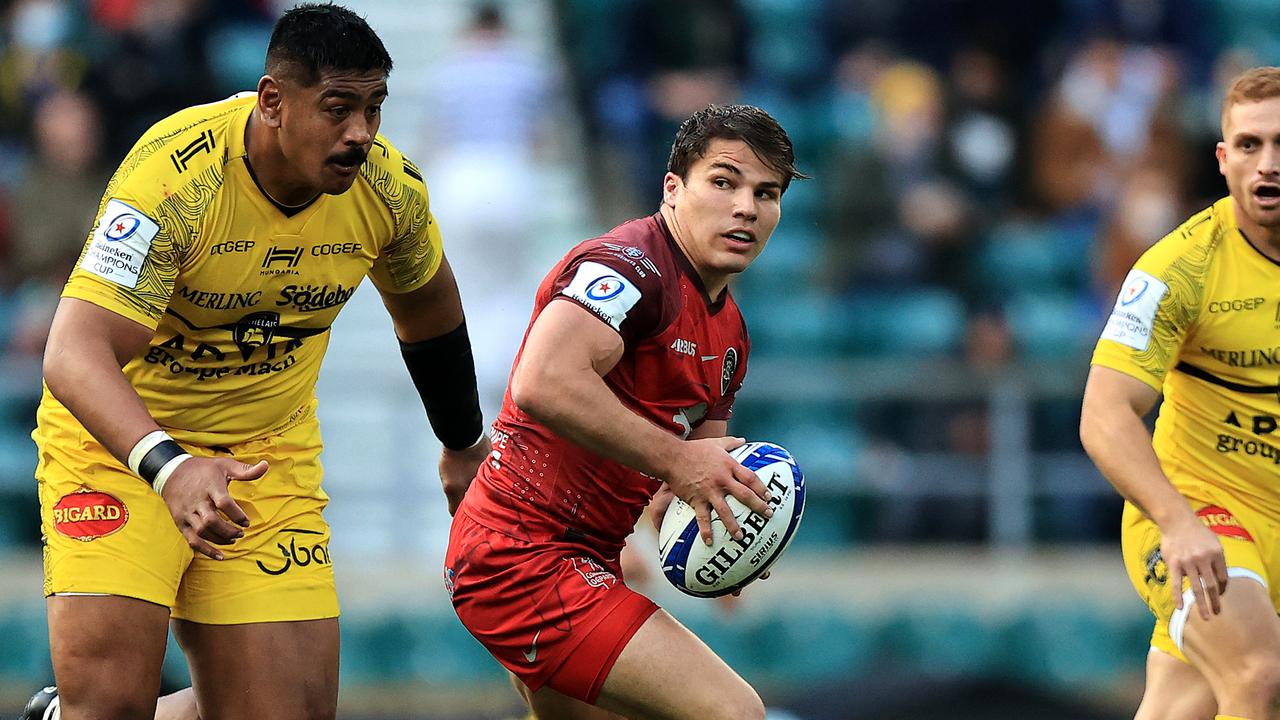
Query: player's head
point(722, 193)
point(1249, 154)
point(326, 78)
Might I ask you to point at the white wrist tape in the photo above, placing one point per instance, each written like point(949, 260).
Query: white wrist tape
point(155, 457)
point(144, 446)
point(162, 477)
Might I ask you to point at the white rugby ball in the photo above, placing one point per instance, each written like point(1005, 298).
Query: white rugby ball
point(726, 565)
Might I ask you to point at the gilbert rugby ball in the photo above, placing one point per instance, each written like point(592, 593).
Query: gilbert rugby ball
point(728, 565)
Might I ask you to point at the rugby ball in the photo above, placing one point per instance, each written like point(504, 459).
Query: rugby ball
point(727, 565)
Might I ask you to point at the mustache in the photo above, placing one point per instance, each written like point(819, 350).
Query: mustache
point(354, 157)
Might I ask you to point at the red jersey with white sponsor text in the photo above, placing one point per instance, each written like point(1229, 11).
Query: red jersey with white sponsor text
point(683, 361)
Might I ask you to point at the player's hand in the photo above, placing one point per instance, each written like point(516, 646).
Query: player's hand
point(1191, 550)
point(458, 468)
point(199, 499)
point(659, 504)
point(705, 473)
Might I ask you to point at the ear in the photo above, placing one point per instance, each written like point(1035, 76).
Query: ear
point(671, 186)
point(1220, 151)
point(270, 100)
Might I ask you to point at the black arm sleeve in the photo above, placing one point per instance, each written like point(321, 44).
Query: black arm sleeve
point(444, 372)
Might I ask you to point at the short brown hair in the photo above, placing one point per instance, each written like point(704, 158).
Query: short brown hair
point(747, 123)
point(1252, 85)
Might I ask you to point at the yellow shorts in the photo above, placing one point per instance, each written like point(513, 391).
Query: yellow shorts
point(1245, 535)
point(107, 532)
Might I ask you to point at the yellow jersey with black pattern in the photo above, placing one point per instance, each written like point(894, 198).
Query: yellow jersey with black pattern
point(1198, 318)
point(241, 292)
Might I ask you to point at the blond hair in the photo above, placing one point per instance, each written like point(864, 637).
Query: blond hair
point(1252, 85)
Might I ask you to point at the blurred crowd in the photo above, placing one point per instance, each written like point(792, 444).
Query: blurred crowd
point(998, 164)
point(79, 82)
point(985, 171)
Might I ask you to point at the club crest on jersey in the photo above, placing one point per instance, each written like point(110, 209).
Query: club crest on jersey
point(730, 367)
point(255, 330)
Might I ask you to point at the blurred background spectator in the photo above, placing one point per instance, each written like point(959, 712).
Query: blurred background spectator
point(986, 171)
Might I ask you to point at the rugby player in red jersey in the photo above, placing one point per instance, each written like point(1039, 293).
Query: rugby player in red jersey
point(623, 389)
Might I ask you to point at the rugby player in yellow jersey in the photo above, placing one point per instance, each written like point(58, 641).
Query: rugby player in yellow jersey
point(178, 445)
point(1198, 319)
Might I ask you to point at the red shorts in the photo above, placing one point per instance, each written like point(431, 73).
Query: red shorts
point(551, 612)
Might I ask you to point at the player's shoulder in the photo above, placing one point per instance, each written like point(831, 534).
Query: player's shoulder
point(390, 172)
point(179, 149)
point(1196, 241)
point(639, 246)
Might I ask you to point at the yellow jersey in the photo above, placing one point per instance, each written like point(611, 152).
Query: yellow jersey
point(1198, 318)
point(241, 292)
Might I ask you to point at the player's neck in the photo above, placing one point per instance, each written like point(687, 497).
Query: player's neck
point(713, 282)
point(270, 167)
point(1265, 240)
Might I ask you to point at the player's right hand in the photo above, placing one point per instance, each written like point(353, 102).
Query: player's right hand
point(199, 499)
point(705, 473)
point(1191, 550)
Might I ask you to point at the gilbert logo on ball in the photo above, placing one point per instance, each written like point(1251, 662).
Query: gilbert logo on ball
point(727, 564)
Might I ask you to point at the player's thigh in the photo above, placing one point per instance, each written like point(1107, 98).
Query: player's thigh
point(1244, 639)
point(107, 653)
point(666, 672)
point(280, 670)
point(1175, 691)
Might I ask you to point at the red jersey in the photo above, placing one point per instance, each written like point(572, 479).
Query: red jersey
point(684, 359)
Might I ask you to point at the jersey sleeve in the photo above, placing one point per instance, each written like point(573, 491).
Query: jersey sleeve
point(632, 304)
point(1158, 305)
point(141, 238)
point(412, 256)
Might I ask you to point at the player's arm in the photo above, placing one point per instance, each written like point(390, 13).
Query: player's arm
point(88, 345)
point(559, 381)
point(1113, 433)
point(437, 350)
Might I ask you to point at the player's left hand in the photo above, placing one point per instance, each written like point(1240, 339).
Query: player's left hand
point(458, 468)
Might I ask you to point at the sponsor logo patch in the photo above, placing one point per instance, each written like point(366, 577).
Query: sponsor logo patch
point(1222, 522)
point(604, 292)
point(120, 244)
point(87, 515)
point(1133, 317)
point(593, 572)
point(297, 554)
point(281, 261)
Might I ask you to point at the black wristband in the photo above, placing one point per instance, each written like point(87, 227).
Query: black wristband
point(444, 372)
point(156, 458)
